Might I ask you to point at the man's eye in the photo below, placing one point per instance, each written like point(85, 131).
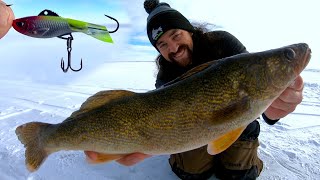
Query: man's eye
point(176, 36)
point(161, 46)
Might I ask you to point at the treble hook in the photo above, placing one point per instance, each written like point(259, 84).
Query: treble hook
point(69, 48)
point(115, 21)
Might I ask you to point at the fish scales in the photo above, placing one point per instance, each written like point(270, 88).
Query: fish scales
point(133, 123)
point(49, 27)
point(216, 101)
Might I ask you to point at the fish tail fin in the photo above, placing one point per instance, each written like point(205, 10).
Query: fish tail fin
point(97, 31)
point(30, 135)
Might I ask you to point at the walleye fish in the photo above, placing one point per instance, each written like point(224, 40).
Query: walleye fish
point(211, 104)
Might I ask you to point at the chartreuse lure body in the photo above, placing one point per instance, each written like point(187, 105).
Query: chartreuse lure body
point(49, 24)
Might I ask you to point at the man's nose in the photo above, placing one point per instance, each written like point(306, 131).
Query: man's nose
point(173, 47)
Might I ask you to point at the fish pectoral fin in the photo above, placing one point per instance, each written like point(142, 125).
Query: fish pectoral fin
point(101, 98)
point(223, 142)
point(104, 158)
point(191, 72)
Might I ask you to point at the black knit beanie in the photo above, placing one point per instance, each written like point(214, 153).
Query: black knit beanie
point(163, 18)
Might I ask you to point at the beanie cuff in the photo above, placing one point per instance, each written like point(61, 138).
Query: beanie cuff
point(164, 21)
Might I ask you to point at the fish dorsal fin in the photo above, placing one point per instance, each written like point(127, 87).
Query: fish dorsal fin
point(223, 142)
point(191, 72)
point(47, 12)
point(101, 98)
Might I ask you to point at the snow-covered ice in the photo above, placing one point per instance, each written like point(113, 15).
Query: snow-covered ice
point(289, 149)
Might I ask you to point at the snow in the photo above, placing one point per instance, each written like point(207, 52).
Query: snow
point(289, 149)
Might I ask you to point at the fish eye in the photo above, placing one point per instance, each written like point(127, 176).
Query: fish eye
point(20, 24)
point(290, 54)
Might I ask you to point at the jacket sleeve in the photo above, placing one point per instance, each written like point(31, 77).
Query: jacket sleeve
point(159, 83)
point(227, 43)
point(233, 44)
point(167, 72)
point(269, 121)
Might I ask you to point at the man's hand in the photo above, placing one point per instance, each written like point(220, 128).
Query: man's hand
point(6, 18)
point(287, 101)
point(127, 160)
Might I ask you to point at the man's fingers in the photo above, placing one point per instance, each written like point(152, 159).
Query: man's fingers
point(290, 96)
point(297, 84)
point(6, 18)
point(275, 113)
point(294, 93)
point(132, 159)
point(283, 106)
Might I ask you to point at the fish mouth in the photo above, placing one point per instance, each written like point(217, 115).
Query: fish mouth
point(14, 24)
point(307, 57)
point(304, 62)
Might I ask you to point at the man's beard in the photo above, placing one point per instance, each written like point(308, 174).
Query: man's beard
point(181, 48)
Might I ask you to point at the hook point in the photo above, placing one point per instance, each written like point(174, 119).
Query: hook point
point(116, 22)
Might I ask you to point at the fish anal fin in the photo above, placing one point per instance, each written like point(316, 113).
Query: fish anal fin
point(104, 158)
point(101, 98)
point(191, 72)
point(29, 134)
point(223, 142)
point(47, 12)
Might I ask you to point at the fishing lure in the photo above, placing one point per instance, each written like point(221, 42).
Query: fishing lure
point(48, 24)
